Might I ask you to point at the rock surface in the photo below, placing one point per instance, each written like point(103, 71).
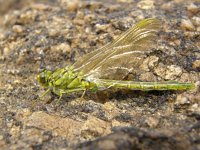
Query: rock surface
point(39, 34)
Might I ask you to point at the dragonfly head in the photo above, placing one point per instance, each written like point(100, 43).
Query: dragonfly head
point(43, 78)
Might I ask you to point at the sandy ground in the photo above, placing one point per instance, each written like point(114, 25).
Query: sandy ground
point(53, 34)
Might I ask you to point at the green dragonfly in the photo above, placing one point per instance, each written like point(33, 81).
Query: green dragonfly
point(108, 66)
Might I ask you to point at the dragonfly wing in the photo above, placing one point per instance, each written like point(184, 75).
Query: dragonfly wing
point(118, 66)
point(138, 39)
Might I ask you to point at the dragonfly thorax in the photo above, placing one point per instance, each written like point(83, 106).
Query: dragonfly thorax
point(64, 79)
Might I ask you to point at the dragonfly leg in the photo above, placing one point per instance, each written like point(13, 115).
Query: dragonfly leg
point(83, 93)
point(60, 96)
point(45, 93)
point(61, 92)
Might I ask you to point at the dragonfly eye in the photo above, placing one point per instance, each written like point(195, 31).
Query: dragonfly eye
point(43, 77)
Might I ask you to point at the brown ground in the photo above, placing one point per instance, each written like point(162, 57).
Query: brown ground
point(53, 34)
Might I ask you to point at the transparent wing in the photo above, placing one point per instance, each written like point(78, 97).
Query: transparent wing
point(117, 68)
point(131, 44)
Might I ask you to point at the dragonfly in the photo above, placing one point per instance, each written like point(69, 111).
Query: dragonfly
point(107, 66)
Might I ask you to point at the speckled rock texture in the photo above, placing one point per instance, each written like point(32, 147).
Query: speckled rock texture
point(39, 34)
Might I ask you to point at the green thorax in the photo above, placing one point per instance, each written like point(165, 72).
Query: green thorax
point(64, 79)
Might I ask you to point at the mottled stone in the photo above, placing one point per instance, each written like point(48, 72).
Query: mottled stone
point(63, 47)
point(95, 127)
point(182, 100)
point(149, 63)
point(189, 77)
point(160, 70)
point(192, 8)
point(23, 114)
point(168, 6)
point(146, 4)
point(148, 76)
point(102, 27)
point(18, 28)
point(15, 131)
point(195, 108)
point(33, 135)
point(70, 5)
point(152, 122)
point(196, 21)
point(196, 64)
point(64, 127)
point(186, 24)
point(173, 72)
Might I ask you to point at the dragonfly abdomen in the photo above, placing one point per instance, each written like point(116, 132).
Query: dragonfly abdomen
point(144, 86)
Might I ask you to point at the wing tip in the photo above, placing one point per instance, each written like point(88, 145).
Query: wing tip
point(149, 21)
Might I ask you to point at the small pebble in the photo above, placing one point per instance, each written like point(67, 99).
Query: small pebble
point(70, 5)
point(53, 32)
point(102, 27)
point(38, 31)
point(192, 8)
point(160, 70)
point(168, 6)
point(185, 77)
point(148, 77)
point(196, 64)
point(196, 21)
point(173, 72)
point(6, 51)
point(23, 114)
point(15, 131)
point(195, 108)
point(89, 17)
point(80, 15)
point(28, 17)
point(152, 122)
point(146, 4)
point(95, 5)
point(149, 63)
point(181, 100)
point(17, 28)
point(65, 48)
point(115, 7)
point(186, 24)
point(78, 22)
